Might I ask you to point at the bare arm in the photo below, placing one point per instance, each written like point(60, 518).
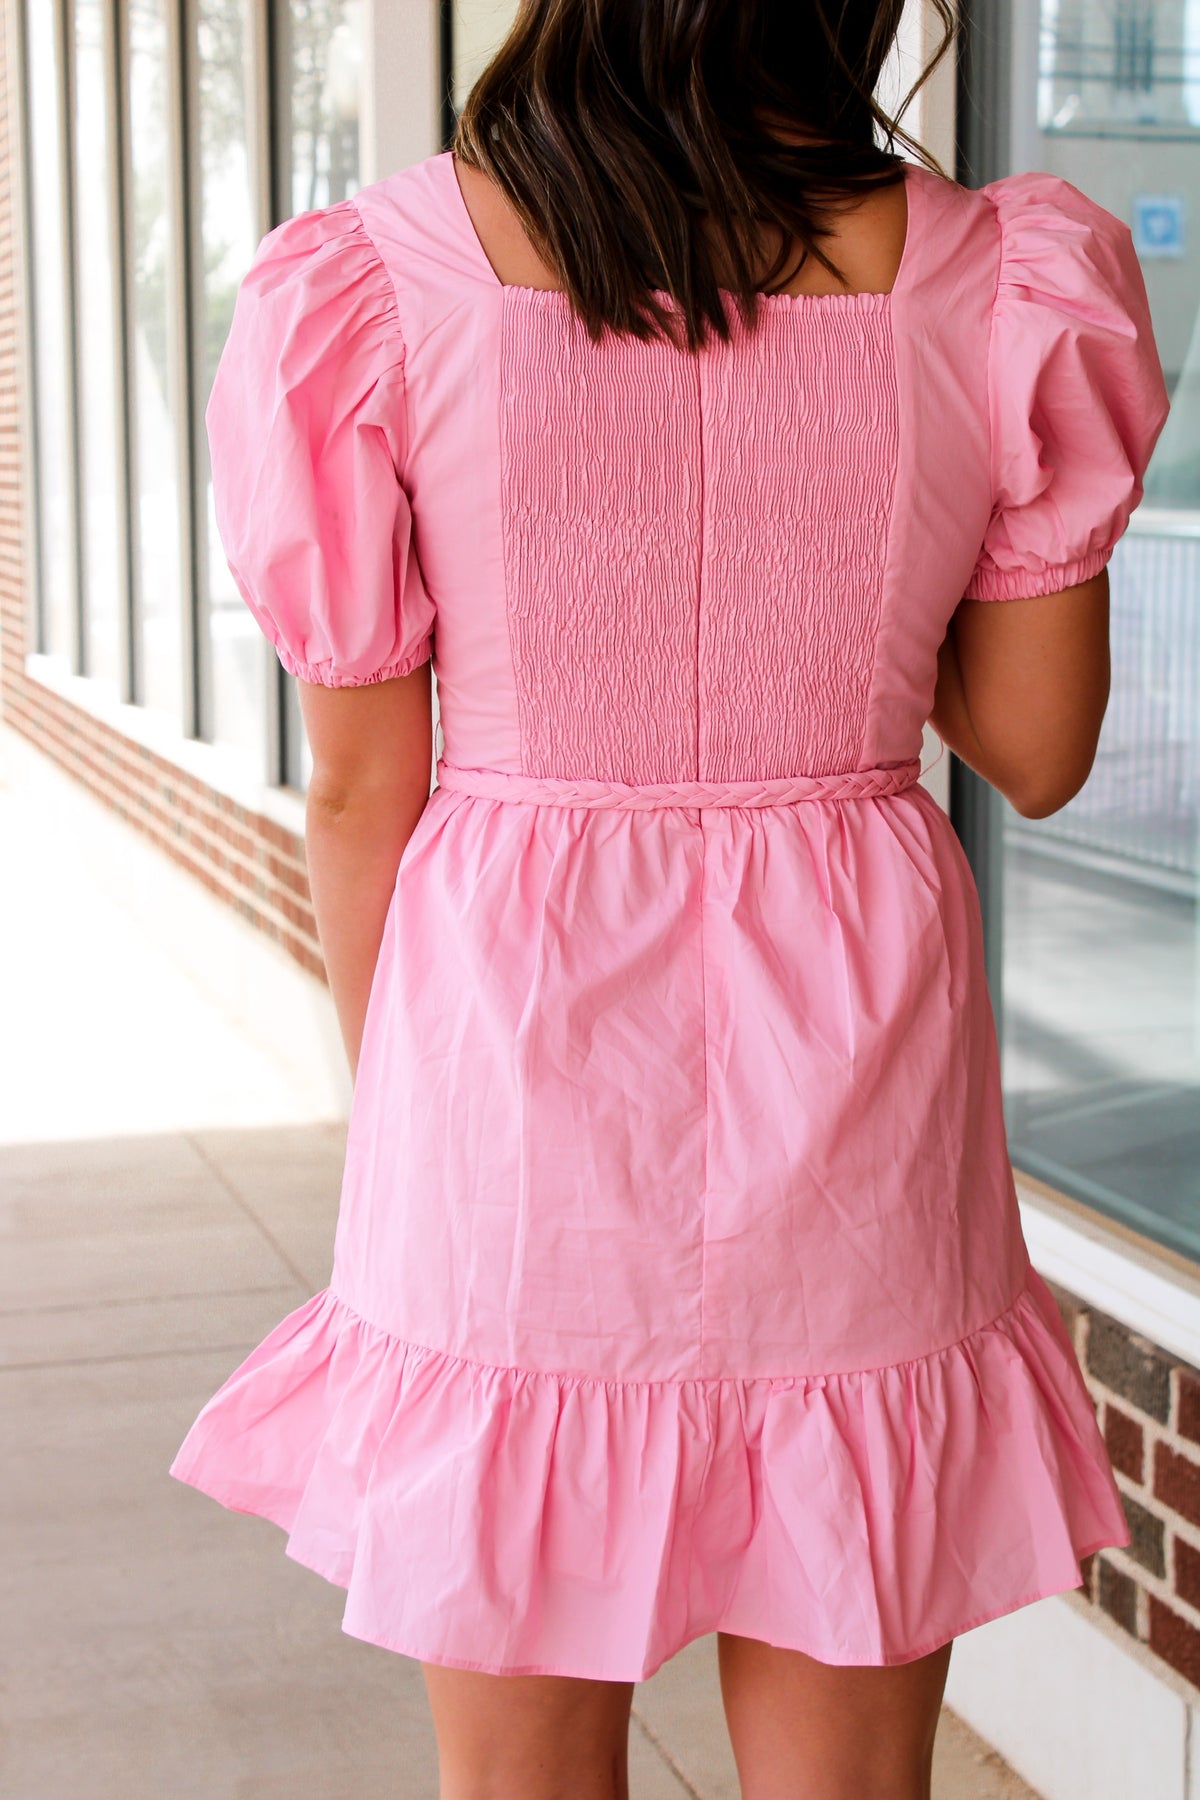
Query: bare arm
point(1021, 692)
point(372, 752)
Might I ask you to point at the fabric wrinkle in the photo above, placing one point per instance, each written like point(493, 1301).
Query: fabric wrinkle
point(679, 1282)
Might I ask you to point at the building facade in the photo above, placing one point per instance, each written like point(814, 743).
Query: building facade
point(148, 145)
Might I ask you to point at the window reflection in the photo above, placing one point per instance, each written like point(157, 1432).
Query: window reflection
point(156, 396)
point(51, 363)
point(1101, 964)
point(97, 368)
point(229, 232)
point(320, 102)
point(189, 160)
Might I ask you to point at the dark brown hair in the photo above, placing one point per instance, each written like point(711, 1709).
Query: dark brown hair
point(615, 126)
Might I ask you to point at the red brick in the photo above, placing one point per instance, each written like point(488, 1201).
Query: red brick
point(1117, 1596)
point(1088, 1566)
point(290, 875)
point(1178, 1643)
point(1148, 1536)
point(1129, 1364)
point(290, 842)
point(1177, 1482)
point(1125, 1442)
point(299, 916)
point(1187, 1572)
point(1189, 1405)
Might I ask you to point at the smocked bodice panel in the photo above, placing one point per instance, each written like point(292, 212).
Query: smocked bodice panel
point(694, 546)
point(635, 564)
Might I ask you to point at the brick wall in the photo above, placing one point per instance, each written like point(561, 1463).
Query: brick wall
point(247, 859)
point(1148, 1406)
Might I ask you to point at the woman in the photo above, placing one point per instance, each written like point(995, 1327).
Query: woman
point(679, 1283)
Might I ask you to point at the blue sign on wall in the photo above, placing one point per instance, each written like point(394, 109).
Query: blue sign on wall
point(1158, 225)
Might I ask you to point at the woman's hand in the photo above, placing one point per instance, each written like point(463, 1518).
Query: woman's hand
point(1022, 688)
point(372, 752)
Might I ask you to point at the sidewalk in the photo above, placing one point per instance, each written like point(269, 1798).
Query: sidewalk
point(172, 1103)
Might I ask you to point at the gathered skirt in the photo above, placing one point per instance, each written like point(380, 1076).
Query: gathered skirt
point(679, 1282)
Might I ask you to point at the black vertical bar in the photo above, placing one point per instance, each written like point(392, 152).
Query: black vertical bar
point(123, 148)
point(449, 115)
point(273, 128)
point(279, 104)
point(64, 22)
point(984, 97)
point(190, 266)
point(118, 200)
point(285, 722)
point(36, 630)
point(180, 71)
point(983, 153)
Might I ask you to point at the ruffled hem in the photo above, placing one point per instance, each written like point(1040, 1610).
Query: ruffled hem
point(515, 1522)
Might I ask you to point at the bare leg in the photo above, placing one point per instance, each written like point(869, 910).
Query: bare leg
point(804, 1730)
point(529, 1737)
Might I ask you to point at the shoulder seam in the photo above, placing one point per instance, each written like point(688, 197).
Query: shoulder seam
point(1001, 252)
point(402, 362)
point(1002, 235)
point(352, 202)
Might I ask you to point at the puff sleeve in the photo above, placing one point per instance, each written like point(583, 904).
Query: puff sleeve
point(1076, 392)
point(307, 432)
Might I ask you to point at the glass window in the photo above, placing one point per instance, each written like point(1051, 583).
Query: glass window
point(157, 395)
point(101, 498)
point(55, 512)
point(1101, 955)
point(478, 29)
point(320, 99)
point(229, 231)
point(132, 523)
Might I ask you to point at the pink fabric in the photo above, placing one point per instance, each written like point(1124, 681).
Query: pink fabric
point(697, 479)
point(308, 430)
point(856, 784)
point(1075, 395)
point(679, 1281)
point(541, 1524)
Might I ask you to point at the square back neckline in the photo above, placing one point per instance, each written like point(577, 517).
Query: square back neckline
point(867, 298)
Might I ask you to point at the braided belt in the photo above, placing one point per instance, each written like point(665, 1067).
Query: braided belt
point(783, 790)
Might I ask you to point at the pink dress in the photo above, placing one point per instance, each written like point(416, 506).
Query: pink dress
point(679, 1281)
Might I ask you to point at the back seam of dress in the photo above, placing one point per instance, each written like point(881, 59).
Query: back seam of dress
point(886, 559)
point(506, 546)
point(700, 827)
point(989, 373)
